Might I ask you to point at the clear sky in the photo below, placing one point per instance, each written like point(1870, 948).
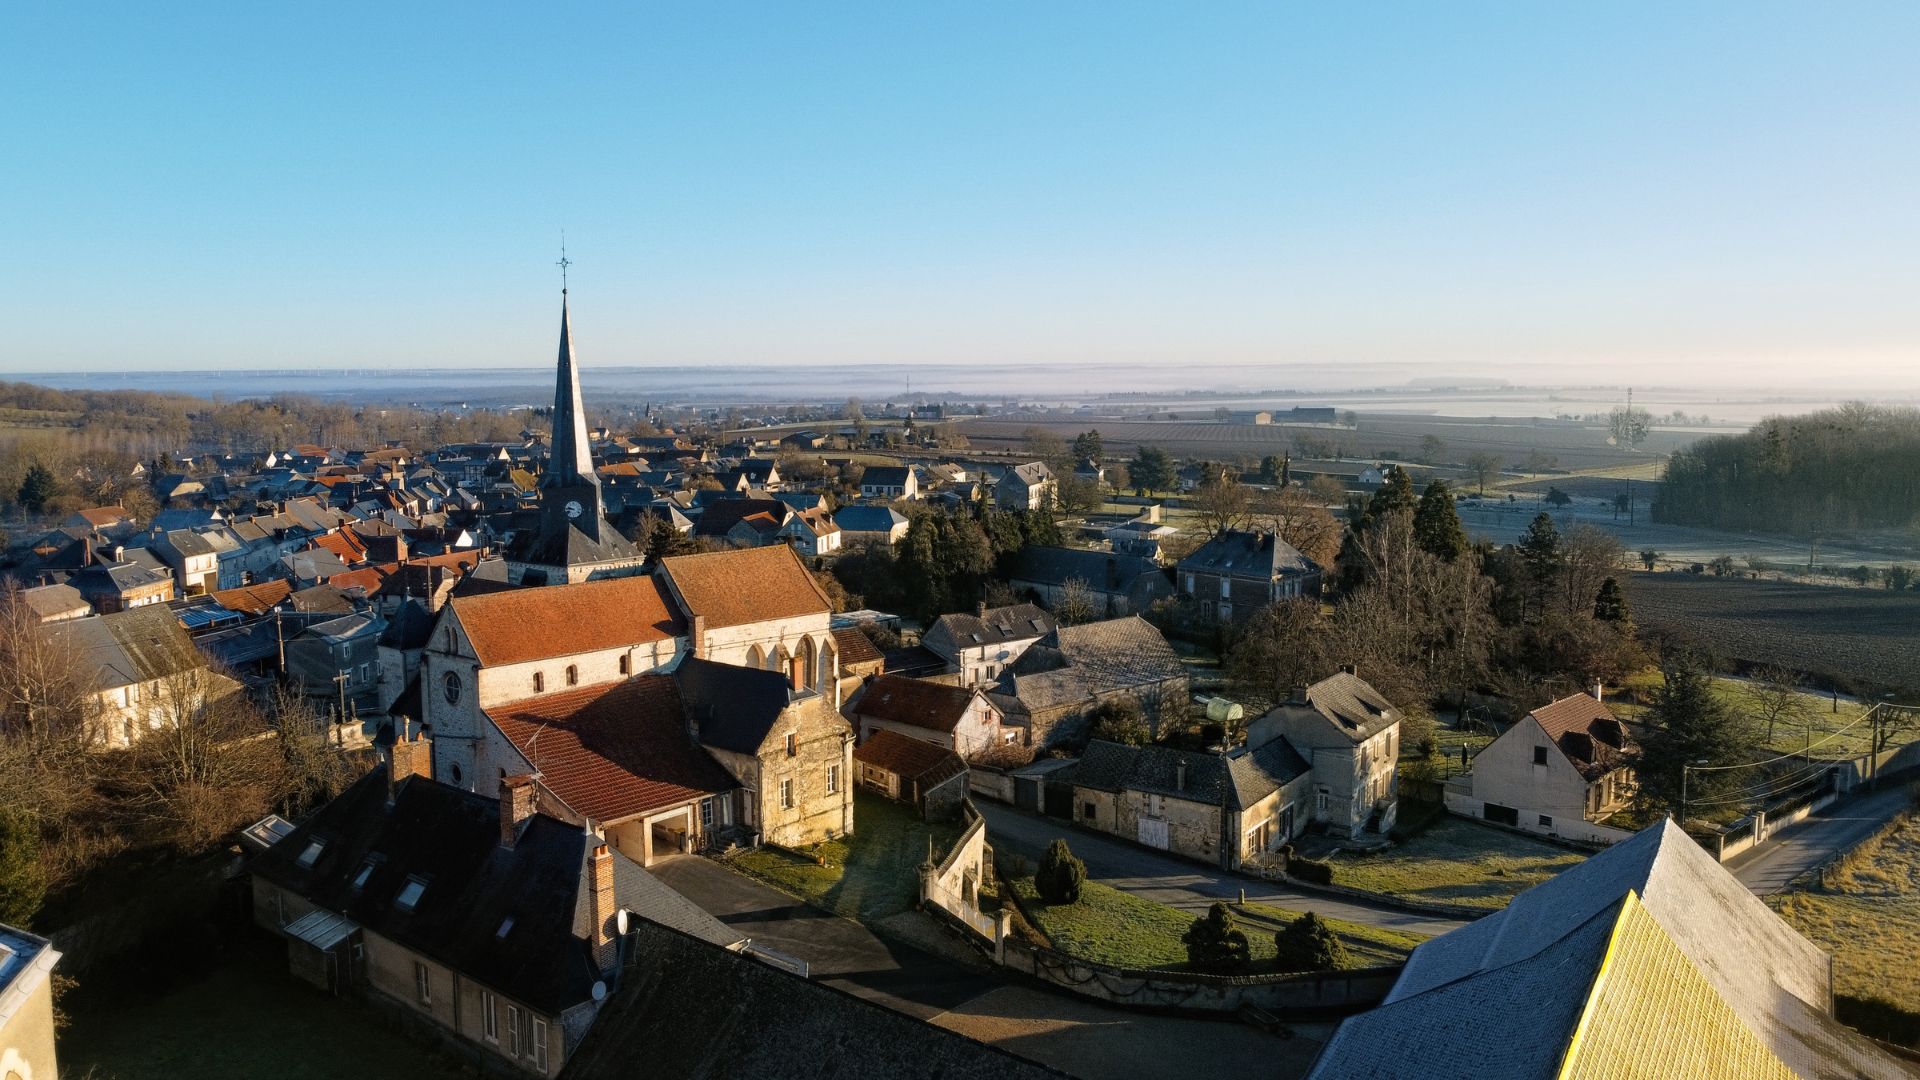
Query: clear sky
point(1597, 192)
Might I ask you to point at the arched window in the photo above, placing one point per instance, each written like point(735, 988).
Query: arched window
point(829, 666)
point(539, 682)
point(626, 663)
point(755, 658)
point(800, 668)
point(777, 660)
point(573, 675)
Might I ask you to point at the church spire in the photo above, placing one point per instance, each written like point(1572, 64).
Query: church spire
point(571, 462)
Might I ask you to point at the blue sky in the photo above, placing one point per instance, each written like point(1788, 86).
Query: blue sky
point(1594, 193)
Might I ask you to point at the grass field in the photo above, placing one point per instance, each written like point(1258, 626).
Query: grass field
point(1866, 912)
point(1456, 862)
point(245, 1019)
point(869, 876)
point(1832, 728)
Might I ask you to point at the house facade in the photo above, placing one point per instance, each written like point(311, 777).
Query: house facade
point(1562, 770)
point(982, 645)
point(958, 718)
point(1350, 735)
point(1236, 574)
point(890, 482)
point(789, 749)
point(1026, 487)
point(1224, 809)
point(26, 1005)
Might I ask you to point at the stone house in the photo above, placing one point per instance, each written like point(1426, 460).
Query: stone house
point(911, 770)
point(122, 586)
point(1058, 681)
point(1026, 487)
point(1350, 734)
point(194, 556)
point(982, 645)
point(787, 747)
point(26, 1005)
point(959, 718)
point(1118, 583)
point(1236, 574)
point(1218, 808)
point(336, 663)
point(1562, 770)
point(146, 673)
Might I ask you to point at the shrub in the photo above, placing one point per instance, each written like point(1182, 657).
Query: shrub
point(23, 884)
point(1060, 875)
point(1213, 944)
point(1311, 870)
point(1308, 944)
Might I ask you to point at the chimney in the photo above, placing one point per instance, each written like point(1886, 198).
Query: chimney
point(697, 643)
point(407, 757)
point(982, 609)
point(1599, 692)
point(1348, 668)
point(1299, 696)
point(606, 945)
point(516, 806)
point(1180, 775)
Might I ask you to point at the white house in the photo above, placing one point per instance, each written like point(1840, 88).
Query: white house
point(1561, 771)
point(1026, 487)
point(959, 718)
point(1350, 735)
point(982, 645)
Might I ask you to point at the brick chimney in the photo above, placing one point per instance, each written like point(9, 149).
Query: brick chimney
point(407, 757)
point(697, 640)
point(516, 806)
point(605, 942)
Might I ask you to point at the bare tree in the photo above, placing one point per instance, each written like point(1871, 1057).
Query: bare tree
point(1077, 603)
point(1772, 695)
point(206, 766)
point(1300, 519)
point(1590, 555)
point(1484, 467)
point(1221, 503)
point(46, 690)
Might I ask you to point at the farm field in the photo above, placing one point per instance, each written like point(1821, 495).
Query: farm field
point(1573, 445)
point(1456, 862)
point(1867, 638)
point(1865, 910)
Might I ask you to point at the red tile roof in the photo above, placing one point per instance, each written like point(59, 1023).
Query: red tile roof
point(908, 757)
point(1587, 732)
point(253, 599)
point(923, 704)
point(344, 544)
point(746, 585)
point(612, 751)
point(518, 625)
point(856, 647)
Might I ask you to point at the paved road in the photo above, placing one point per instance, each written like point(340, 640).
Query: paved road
point(1076, 1036)
point(1811, 842)
point(1179, 883)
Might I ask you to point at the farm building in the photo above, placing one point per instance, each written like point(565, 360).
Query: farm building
point(910, 770)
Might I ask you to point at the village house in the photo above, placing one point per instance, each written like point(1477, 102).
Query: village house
point(811, 532)
point(1236, 574)
point(1055, 685)
point(194, 556)
point(1562, 770)
point(1219, 808)
point(981, 645)
point(121, 586)
point(54, 603)
point(1350, 734)
point(930, 777)
point(1026, 487)
point(860, 658)
point(145, 672)
point(890, 482)
point(881, 524)
point(1114, 583)
point(959, 718)
point(26, 1005)
point(496, 924)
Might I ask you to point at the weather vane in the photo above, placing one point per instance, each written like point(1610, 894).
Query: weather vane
point(563, 263)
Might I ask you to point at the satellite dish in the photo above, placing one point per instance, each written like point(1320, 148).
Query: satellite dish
point(620, 920)
point(599, 991)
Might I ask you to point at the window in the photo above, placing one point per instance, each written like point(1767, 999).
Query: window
point(793, 744)
point(450, 685)
point(422, 983)
point(1539, 755)
point(1189, 584)
point(786, 794)
point(1226, 588)
point(573, 675)
point(312, 853)
point(489, 1016)
point(833, 779)
point(365, 872)
point(410, 893)
point(1087, 810)
point(1546, 821)
point(514, 1046)
point(540, 1044)
point(626, 663)
point(539, 681)
point(506, 925)
point(706, 813)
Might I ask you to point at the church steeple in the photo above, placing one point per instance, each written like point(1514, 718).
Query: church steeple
point(571, 460)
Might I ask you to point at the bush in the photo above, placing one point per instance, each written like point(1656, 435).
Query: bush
point(1060, 875)
point(1213, 944)
point(1311, 870)
point(1119, 719)
point(23, 884)
point(1308, 944)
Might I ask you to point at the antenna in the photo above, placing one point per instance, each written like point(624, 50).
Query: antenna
point(564, 262)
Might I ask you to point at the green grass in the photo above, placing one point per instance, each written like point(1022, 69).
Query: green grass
point(1866, 912)
point(1456, 862)
point(868, 876)
point(246, 1018)
point(1819, 720)
point(1110, 926)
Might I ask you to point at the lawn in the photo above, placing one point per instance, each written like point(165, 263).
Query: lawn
point(869, 876)
point(1866, 912)
point(1456, 862)
point(1831, 729)
point(243, 1019)
point(1110, 926)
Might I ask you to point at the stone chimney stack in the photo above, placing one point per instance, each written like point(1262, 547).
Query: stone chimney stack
point(516, 806)
point(982, 611)
point(408, 756)
point(697, 640)
point(1599, 692)
point(606, 943)
point(1180, 775)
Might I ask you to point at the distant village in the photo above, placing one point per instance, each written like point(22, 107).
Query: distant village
point(563, 665)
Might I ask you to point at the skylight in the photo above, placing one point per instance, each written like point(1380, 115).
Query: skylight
point(312, 853)
point(410, 893)
point(366, 871)
point(506, 924)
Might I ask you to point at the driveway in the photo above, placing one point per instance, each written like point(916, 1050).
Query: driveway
point(1808, 843)
point(1178, 883)
point(1079, 1037)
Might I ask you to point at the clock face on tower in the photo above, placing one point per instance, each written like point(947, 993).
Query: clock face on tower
point(573, 508)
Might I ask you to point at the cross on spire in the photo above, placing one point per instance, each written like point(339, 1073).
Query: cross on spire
point(563, 263)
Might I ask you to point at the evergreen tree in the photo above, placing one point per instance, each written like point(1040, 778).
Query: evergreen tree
point(1610, 605)
point(1213, 944)
point(1394, 496)
point(1150, 470)
point(1060, 875)
point(38, 488)
point(23, 884)
point(1688, 731)
point(1087, 445)
point(1272, 470)
point(1541, 553)
point(1436, 525)
point(1309, 944)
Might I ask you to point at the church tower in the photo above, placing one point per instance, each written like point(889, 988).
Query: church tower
point(573, 541)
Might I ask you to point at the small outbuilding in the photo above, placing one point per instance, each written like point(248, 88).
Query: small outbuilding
point(910, 770)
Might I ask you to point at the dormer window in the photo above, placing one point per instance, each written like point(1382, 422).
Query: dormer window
point(409, 896)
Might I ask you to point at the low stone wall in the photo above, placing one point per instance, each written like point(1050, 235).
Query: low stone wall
point(1750, 833)
point(1332, 993)
point(953, 885)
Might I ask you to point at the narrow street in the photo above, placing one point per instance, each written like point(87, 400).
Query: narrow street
point(1801, 847)
point(1179, 883)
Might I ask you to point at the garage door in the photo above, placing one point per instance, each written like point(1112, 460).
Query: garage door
point(1153, 832)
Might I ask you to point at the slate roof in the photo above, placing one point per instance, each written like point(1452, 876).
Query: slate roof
point(1104, 571)
point(748, 585)
point(451, 838)
point(1078, 663)
point(1262, 556)
point(759, 1021)
point(724, 514)
point(1236, 781)
point(908, 757)
point(612, 751)
point(1027, 475)
point(893, 476)
point(133, 646)
point(1587, 732)
point(869, 519)
point(1354, 708)
point(996, 626)
point(517, 625)
point(50, 601)
point(733, 708)
point(915, 702)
